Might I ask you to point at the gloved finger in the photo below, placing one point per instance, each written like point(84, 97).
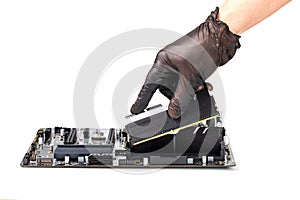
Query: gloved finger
point(169, 85)
point(166, 92)
point(157, 74)
point(205, 85)
point(183, 95)
point(143, 98)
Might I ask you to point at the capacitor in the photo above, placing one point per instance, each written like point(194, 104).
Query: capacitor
point(86, 159)
point(204, 160)
point(145, 161)
point(40, 141)
point(190, 161)
point(226, 140)
point(210, 159)
point(80, 159)
point(67, 160)
point(62, 132)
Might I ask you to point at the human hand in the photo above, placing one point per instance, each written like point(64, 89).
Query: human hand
point(181, 68)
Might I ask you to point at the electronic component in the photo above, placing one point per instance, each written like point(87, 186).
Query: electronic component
point(120, 152)
point(47, 136)
point(74, 151)
point(40, 140)
point(161, 124)
point(190, 161)
point(98, 140)
point(195, 140)
point(100, 159)
point(80, 159)
point(145, 161)
point(204, 148)
point(26, 159)
point(160, 160)
point(111, 136)
point(98, 137)
point(86, 135)
point(45, 162)
point(70, 136)
point(67, 160)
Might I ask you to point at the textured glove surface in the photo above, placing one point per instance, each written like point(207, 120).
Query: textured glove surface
point(181, 68)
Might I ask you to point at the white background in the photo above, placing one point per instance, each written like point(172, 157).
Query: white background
point(42, 47)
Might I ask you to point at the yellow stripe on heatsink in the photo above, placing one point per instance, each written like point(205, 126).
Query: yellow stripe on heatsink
point(174, 131)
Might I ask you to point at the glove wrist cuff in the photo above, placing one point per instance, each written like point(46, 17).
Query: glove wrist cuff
point(227, 42)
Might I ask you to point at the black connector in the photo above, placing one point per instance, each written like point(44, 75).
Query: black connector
point(100, 159)
point(47, 135)
point(70, 137)
point(26, 158)
point(111, 136)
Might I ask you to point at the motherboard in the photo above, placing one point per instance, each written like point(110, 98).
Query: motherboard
point(196, 140)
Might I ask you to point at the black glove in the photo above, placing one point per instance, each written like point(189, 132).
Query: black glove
point(181, 68)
